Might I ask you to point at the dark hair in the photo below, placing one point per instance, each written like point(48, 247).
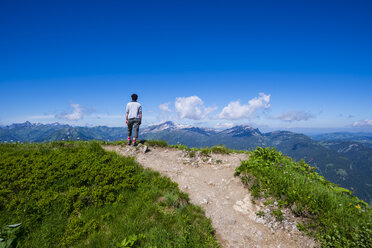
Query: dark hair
point(134, 97)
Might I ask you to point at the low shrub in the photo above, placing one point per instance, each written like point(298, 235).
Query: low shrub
point(205, 151)
point(180, 147)
point(192, 154)
point(220, 149)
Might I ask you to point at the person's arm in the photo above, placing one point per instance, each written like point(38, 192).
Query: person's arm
point(140, 114)
point(126, 114)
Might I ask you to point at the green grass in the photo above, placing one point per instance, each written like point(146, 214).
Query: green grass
point(75, 194)
point(220, 149)
point(333, 215)
point(192, 154)
point(277, 213)
point(158, 143)
point(180, 147)
point(206, 151)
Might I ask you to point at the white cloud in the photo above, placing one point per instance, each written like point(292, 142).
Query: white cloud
point(165, 107)
point(165, 112)
point(363, 123)
point(234, 110)
point(224, 125)
point(191, 107)
point(77, 114)
point(294, 116)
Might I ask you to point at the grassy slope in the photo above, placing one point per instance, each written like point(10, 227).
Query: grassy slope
point(333, 215)
point(70, 194)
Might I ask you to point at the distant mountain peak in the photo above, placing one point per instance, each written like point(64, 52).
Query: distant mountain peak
point(168, 125)
point(242, 130)
point(20, 125)
point(55, 124)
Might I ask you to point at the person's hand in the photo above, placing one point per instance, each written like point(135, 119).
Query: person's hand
point(126, 122)
point(140, 122)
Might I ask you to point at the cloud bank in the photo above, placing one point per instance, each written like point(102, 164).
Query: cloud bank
point(165, 112)
point(235, 111)
point(294, 116)
point(77, 114)
point(165, 107)
point(363, 123)
point(191, 107)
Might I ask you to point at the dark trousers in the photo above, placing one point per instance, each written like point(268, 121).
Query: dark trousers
point(133, 124)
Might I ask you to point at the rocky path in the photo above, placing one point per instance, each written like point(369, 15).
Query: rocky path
point(210, 183)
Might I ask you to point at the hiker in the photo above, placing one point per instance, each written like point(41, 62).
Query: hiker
point(133, 118)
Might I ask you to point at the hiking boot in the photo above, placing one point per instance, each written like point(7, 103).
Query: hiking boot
point(128, 142)
point(134, 143)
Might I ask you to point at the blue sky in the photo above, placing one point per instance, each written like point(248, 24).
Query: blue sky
point(297, 65)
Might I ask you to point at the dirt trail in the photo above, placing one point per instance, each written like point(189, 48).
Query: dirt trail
point(211, 184)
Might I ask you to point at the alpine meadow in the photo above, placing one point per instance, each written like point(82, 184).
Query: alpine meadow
point(186, 124)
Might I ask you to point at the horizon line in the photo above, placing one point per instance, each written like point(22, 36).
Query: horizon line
point(310, 130)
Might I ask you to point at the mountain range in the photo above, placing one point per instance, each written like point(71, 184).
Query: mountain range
point(362, 137)
point(343, 158)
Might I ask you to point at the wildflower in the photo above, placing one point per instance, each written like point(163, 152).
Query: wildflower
point(357, 206)
point(280, 165)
